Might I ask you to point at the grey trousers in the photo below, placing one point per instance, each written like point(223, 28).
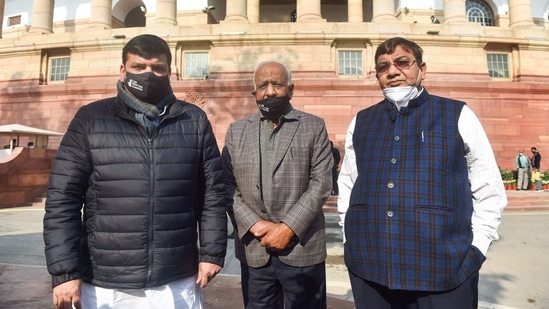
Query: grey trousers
point(523, 181)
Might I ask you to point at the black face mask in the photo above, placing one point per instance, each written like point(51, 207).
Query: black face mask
point(273, 108)
point(147, 87)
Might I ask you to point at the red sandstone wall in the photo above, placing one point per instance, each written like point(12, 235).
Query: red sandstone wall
point(514, 114)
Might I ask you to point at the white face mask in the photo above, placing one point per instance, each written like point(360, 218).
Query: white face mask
point(400, 95)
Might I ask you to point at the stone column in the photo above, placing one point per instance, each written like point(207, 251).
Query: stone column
point(308, 10)
point(354, 11)
point(2, 4)
point(520, 13)
point(383, 10)
point(237, 10)
point(101, 14)
point(454, 11)
point(253, 11)
point(166, 12)
point(42, 16)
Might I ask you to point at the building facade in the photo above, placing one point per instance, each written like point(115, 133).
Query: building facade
point(59, 55)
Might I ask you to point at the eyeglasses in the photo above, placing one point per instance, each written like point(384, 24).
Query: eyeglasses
point(401, 64)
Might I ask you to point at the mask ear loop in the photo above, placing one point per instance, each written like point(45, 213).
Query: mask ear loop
point(417, 78)
point(164, 111)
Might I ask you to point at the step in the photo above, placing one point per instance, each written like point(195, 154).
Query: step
point(517, 201)
point(528, 200)
point(39, 202)
point(331, 205)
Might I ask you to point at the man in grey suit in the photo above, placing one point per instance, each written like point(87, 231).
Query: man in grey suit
point(278, 171)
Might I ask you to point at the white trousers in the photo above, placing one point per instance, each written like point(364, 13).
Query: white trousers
point(181, 294)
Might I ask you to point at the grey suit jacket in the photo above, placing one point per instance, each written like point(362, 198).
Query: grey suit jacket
point(302, 181)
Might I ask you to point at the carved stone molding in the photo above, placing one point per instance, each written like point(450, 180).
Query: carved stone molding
point(198, 100)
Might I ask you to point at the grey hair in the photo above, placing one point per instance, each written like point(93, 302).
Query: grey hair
point(288, 72)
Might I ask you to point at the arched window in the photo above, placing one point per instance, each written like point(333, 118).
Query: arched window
point(479, 12)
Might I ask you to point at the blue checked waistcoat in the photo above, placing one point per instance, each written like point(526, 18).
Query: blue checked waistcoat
point(408, 225)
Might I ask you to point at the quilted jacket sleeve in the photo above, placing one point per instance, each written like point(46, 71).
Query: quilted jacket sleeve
point(213, 217)
point(65, 196)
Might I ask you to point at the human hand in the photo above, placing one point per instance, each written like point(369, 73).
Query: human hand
point(206, 272)
point(261, 228)
point(68, 294)
point(278, 237)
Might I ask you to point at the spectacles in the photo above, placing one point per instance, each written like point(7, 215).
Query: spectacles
point(401, 64)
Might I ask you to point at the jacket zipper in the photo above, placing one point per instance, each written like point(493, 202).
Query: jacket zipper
point(150, 140)
point(151, 209)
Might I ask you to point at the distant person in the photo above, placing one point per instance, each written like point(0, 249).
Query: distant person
point(536, 158)
point(536, 178)
point(523, 167)
point(421, 192)
point(30, 144)
point(434, 20)
point(335, 170)
point(278, 167)
point(135, 209)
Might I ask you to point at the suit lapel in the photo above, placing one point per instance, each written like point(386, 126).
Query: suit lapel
point(287, 134)
point(252, 143)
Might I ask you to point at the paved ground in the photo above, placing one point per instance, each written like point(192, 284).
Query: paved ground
point(514, 276)
point(25, 283)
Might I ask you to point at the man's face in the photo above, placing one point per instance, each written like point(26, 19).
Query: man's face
point(399, 69)
point(271, 80)
point(136, 64)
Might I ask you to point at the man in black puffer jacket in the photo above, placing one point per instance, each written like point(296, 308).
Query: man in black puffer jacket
point(135, 209)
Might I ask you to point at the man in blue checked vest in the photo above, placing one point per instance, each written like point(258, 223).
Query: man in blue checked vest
point(420, 193)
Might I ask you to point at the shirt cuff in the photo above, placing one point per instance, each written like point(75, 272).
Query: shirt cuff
point(481, 242)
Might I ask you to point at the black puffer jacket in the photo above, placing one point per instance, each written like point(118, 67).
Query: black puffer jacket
point(136, 232)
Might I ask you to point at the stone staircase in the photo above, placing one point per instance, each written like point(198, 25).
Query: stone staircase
point(518, 201)
point(528, 200)
point(39, 201)
point(331, 205)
